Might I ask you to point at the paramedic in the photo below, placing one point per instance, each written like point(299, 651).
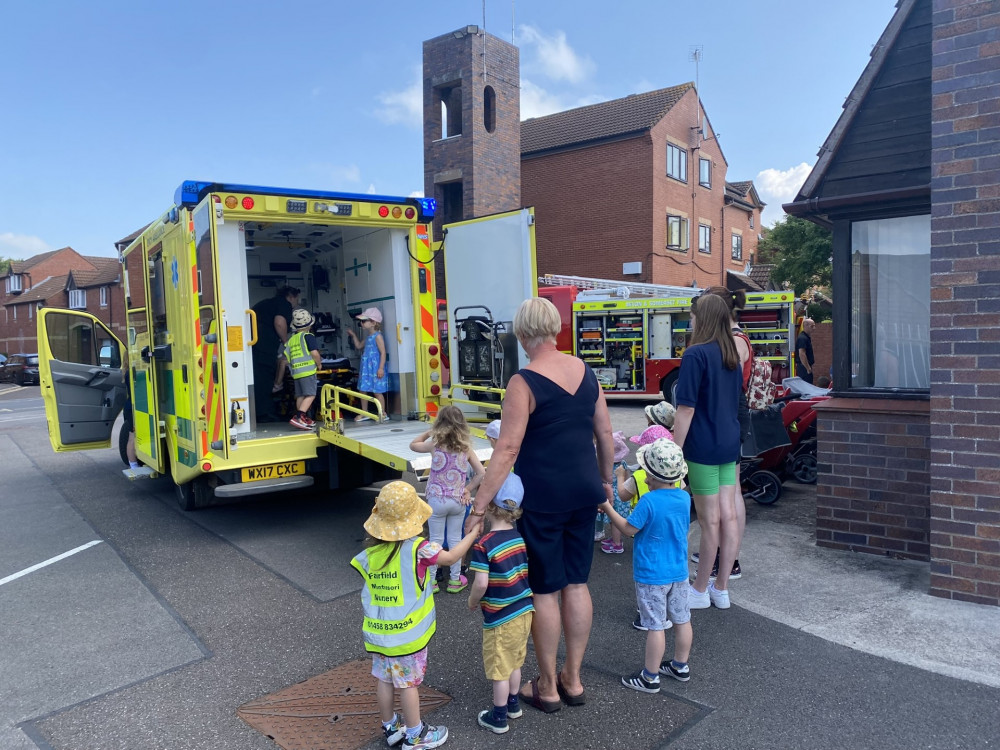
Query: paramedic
point(273, 318)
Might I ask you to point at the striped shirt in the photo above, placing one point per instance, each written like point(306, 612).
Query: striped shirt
point(502, 555)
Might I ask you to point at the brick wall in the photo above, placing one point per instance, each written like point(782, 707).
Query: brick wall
point(822, 340)
point(965, 302)
point(873, 482)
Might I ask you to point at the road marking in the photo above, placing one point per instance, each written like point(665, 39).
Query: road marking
point(51, 560)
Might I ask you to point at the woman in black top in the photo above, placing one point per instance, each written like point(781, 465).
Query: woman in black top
point(554, 411)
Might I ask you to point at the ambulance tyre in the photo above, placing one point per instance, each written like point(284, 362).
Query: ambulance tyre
point(194, 495)
point(669, 388)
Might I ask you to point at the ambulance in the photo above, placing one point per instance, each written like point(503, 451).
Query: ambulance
point(191, 280)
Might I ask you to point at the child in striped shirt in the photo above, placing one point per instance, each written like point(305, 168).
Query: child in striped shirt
point(501, 589)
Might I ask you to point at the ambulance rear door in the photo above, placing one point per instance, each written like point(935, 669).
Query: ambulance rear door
point(490, 262)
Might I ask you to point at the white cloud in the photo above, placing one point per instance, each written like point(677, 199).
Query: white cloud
point(556, 59)
point(538, 102)
point(371, 188)
point(405, 106)
point(416, 194)
point(776, 186)
point(21, 246)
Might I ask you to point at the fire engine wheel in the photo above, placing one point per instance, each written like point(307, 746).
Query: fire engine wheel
point(803, 468)
point(669, 388)
point(195, 494)
point(764, 487)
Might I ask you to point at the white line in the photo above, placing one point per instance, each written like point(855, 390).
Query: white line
point(55, 559)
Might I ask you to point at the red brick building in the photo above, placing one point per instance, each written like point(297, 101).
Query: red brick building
point(61, 278)
point(637, 182)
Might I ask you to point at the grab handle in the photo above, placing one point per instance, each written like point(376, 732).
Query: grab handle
point(253, 327)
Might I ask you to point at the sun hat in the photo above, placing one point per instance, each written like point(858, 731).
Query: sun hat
point(399, 513)
point(621, 449)
point(650, 434)
point(372, 313)
point(663, 460)
point(301, 318)
point(510, 494)
point(493, 429)
point(662, 413)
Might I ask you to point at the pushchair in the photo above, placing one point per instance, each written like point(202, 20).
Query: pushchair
point(782, 448)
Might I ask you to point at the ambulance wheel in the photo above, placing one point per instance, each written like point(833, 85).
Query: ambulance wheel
point(123, 443)
point(764, 487)
point(195, 494)
point(669, 388)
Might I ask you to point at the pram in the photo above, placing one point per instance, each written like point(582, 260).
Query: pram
point(792, 454)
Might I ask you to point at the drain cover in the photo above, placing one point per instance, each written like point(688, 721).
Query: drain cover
point(336, 710)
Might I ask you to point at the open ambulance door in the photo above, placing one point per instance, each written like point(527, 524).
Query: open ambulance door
point(489, 262)
point(83, 383)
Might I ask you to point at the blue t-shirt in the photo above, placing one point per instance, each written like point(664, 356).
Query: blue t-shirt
point(714, 392)
point(659, 555)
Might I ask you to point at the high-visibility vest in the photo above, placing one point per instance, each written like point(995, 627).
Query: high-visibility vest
point(399, 611)
point(300, 361)
point(641, 488)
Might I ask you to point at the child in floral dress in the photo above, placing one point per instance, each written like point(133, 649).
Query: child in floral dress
point(614, 546)
point(373, 377)
point(399, 609)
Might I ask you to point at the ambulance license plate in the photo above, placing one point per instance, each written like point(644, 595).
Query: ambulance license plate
point(274, 471)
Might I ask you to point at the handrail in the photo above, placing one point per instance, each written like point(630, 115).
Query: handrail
point(333, 393)
point(501, 392)
point(253, 328)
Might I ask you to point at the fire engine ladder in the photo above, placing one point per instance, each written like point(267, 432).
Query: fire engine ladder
point(614, 288)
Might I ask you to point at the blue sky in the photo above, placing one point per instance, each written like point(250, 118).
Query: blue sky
point(108, 106)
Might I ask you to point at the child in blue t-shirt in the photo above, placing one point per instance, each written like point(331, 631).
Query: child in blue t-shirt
point(659, 523)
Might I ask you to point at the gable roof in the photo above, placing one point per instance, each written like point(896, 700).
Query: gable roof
point(745, 193)
point(761, 274)
point(23, 266)
point(736, 280)
point(852, 105)
point(40, 292)
point(611, 119)
point(106, 271)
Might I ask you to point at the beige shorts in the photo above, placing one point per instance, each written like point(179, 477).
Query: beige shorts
point(505, 646)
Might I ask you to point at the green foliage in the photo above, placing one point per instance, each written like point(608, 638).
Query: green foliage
point(5, 265)
point(819, 313)
point(801, 251)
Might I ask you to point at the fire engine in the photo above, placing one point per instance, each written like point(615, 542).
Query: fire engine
point(633, 335)
point(191, 280)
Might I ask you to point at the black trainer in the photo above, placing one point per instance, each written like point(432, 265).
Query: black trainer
point(737, 571)
point(638, 682)
point(667, 669)
point(637, 623)
point(488, 721)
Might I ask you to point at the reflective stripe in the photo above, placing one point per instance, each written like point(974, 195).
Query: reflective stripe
point(300, 361)
point(399, 613)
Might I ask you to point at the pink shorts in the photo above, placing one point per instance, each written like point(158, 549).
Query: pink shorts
point(401, 671)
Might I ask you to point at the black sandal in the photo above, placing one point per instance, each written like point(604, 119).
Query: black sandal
point(536, 701)
point(570, 700)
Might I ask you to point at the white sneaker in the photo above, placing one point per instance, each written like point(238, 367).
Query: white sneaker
point(698, 599)
point(719, 599)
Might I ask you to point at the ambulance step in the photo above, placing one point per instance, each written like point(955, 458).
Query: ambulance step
point(143, 472)
point(242, 489)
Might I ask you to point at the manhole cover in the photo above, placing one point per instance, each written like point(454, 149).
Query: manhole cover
point(336, 710)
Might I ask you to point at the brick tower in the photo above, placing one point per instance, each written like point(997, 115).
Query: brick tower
point(472, 125)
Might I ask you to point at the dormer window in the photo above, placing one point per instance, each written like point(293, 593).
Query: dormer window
point(14, 284)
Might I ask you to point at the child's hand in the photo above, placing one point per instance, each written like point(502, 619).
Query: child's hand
point(620, 472)
point(605, 507)
point(466, 497)
point(473, 603)
point(380, 373)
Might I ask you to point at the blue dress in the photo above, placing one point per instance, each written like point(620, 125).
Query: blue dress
point(368, 381)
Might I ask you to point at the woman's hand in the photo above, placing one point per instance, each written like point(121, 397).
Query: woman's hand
point(472, 522)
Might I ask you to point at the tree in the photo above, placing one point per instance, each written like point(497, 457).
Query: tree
point(4, 265)
point(802, 253)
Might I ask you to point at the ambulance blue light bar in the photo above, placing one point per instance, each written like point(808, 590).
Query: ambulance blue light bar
point(191, 192)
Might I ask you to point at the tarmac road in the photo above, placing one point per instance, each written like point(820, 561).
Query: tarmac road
point(154, 635)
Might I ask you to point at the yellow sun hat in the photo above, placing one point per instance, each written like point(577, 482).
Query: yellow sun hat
point(399, 513)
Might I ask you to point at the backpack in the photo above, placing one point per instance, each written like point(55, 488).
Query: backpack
point(760, 387)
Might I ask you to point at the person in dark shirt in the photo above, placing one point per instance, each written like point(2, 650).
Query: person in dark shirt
point(274, 315)
point(804, 358)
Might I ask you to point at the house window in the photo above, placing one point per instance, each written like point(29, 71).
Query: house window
point(751, 219)
point(104, 296)
point(677, 163)
point(14, 308)
point(677, 233)
point(14, 284)
point(77, 299)
point(737, 247)
point(31, 310)
point(705, 173)
point(890, 303)
point(704, 238)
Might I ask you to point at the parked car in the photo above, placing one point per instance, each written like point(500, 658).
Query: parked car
point(21, 369)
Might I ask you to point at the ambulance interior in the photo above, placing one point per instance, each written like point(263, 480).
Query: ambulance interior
point(340, 270)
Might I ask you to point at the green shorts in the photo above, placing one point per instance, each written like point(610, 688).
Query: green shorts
point(706, 480)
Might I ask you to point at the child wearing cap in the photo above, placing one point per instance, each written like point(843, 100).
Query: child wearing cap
point(399, 608)
point(304, 361)
point(373, 378)
point(500, 562)
point(614, 546)
point(493, 432)
point(659, 523)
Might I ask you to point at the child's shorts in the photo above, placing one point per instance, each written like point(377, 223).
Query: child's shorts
point(505, 646)
point(401, 671)
point(658, 603)
point(306, 386)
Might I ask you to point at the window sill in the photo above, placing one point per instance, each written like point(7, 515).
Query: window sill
point(675, 249)
point(876, 403)
point(677, 179)
point(702, 184)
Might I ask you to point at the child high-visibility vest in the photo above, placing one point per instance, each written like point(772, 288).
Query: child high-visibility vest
point(300, 361)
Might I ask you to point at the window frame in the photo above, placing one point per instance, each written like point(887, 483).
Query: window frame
point(681, 162)
point(736, 246)
point(104, 296)
point(706, 250)
point(705, 183)
point(75, 297)
point(683, 230)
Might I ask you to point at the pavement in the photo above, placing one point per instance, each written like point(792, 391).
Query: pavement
point(175, 620)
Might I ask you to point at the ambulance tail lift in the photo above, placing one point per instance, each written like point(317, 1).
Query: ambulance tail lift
point(191, 280)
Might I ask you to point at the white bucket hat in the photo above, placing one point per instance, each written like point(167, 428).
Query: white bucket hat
point(663, 460)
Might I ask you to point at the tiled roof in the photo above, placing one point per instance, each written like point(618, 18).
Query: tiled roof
point(740, 187)
point(106, 271)
point(631, 114)
point(742, 281)
point(761, 273)
point(22, 266)
point(41, 292)
point(126, 241)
